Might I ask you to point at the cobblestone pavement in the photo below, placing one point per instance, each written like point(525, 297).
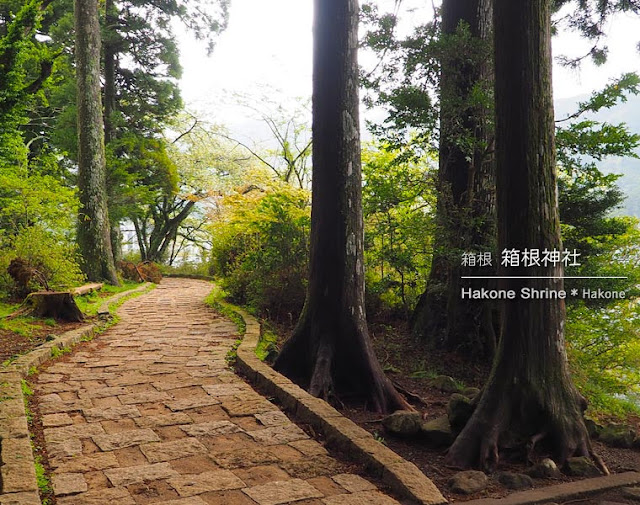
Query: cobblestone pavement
point(149, 412)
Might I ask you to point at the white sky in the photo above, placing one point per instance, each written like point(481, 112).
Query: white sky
point(266, 52)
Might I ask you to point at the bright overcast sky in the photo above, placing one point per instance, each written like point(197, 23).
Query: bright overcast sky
point(266, 51)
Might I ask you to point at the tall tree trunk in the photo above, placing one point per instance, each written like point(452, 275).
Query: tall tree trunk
point(529, 394)
point(93, 223)
point(466, 185)
point(330, 351)
point(111, 18)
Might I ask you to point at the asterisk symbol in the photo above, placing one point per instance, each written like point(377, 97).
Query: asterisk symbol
point(574, 292)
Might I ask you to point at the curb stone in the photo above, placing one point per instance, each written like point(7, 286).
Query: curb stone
point(19, 485)
point(564, 491)
point(403, 477)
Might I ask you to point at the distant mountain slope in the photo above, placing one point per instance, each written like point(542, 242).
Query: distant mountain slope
point(629, 113)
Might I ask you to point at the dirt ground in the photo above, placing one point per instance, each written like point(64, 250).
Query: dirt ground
point(411, 366)
point(12, 344)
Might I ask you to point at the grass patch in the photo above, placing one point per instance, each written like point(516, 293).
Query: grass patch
point(90, 303)
point(56, 352)
point(44, 484)
point(215, 300)
point(267, 345)
point(7, 308)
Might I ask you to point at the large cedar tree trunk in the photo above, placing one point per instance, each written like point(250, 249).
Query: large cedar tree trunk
point(466, 186)
point(529, 395)
point(330, 352)
point(93, 222)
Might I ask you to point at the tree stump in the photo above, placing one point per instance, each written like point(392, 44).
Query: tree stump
point(56, 304)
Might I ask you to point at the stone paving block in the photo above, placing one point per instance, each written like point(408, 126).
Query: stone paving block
point(134, 398)
point(194, 484)
point(25, 498)
point(11, 408)
point(110, 413)
point(45, 377)
point(191, 500)
point(244, 457)
point(114, 495)
point(17, 471)
point(226, 389)
point(278, 434)
point(307, 468)
point(160, 420)
point(55, 387)
point(191, 403)
point(140, 473)
point(14, 427)
point(362, 498)
point(309, 447)
point(56, 420)
point(273, 418)
point(166, 451)
point(176, 384)
point(85, 430)
point(102, 392)
point(247, 407)
point(353, 483)
point(67, 449)
point(68, 483)
point(90, 463)
point(125, 439)
point(57, 407)
point(210, 429)
point(278, 492)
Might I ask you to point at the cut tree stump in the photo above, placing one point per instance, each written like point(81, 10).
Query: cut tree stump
point(56, 304)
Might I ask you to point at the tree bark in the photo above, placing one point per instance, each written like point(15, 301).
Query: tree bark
point(330, 351)
point(529, 395)
point(93, 223)
point(59, 305)
point(466, 187)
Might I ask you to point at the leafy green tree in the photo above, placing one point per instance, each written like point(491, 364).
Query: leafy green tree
point(260, 247)
point(399, 204)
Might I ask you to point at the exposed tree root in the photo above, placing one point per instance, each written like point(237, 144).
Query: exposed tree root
point(334, 366)
point(504, 414)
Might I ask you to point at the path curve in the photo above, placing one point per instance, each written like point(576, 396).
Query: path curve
point(149, 412)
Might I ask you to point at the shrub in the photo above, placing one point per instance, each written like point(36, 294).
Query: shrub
point(260, 249)
point(604, 351)
point(146, 271)
point(37, 249)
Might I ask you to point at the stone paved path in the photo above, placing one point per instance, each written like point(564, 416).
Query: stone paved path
point(149, 412)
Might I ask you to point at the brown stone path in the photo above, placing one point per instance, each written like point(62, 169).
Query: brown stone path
point(149, 412)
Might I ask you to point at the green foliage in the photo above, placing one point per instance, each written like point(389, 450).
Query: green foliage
point(44, 484)
point(399, 203)
point(26, 389)
point(267, 345)
point(215, 300)
point(604, 351)
point(54, 258)
point(260, 248)
point(91, 302)
point(56, 352)
point(28, 196)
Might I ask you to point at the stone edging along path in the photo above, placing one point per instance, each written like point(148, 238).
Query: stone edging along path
point(403, 477)
point(19, 485)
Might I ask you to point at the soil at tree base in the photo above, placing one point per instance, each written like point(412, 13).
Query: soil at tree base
point(411, 366)
point(13, 344)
